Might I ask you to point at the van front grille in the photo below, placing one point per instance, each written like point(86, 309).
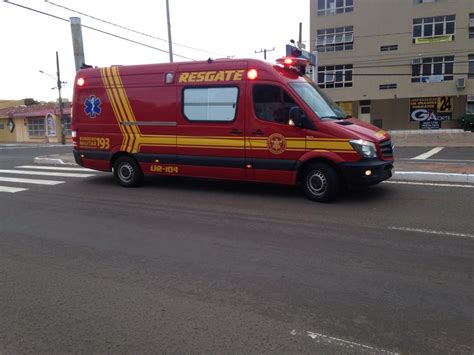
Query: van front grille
point(386, 148)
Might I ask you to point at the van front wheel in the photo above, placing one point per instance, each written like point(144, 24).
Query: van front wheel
point(127, 172)
point(320, 182)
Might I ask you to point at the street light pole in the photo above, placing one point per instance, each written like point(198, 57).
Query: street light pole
point(170, 44)
point(61, 112)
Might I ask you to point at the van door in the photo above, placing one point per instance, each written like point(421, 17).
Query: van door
point(210, 139)
point(274, 145)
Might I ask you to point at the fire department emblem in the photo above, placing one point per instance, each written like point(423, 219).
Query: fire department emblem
point(276, 143)
point(92, 106)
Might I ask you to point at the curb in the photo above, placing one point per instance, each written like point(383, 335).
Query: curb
point(433, 177)
point(52, 161)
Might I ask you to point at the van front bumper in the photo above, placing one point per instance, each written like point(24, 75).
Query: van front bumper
point(357, 173)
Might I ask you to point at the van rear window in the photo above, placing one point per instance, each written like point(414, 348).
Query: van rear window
point(210, 104)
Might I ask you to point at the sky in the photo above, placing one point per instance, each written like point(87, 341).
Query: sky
point(218, 28)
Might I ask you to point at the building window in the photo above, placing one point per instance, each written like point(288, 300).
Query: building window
point(431, 70)
point(416, 2)
point(67, 125)
point(210, 104)
point(387, 86)
point(389, 48)
point(36, 127)
point(364, 106)
point(470, 73)
point(471, 25)
point(331, 7)
point(335, 39)
point(470, 105)
point(434, 27)
point(335, 76)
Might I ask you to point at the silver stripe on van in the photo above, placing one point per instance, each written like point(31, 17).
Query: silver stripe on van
point(148, 123)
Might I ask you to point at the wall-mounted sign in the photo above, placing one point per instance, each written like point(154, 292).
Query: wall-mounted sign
point(430, 125)
point(11, 125)
point(346, 106)
point(427, 110)
point(423, 40)
point(432, 79)
point(50, 125)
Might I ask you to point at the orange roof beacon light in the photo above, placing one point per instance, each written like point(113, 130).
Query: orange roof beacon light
point(298, 64)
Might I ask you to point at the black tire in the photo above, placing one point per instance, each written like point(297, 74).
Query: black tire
point(127, 172)
point(320, 182)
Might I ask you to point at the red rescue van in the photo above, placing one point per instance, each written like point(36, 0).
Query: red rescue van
point(223, 119)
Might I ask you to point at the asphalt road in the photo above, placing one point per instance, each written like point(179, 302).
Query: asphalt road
point(193, 266)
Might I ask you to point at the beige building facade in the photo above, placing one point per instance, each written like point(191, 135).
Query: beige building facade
point(399, 64)
point(34, 124)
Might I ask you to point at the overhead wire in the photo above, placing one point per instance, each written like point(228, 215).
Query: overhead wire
point(129, 29)
point(97, 30)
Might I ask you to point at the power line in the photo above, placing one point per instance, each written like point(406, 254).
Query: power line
point(129, 29)
point(402, 57)
point(96, 29)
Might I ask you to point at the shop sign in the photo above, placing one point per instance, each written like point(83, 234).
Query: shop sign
point(50, 125)
point(425, 109)
point(11, 125)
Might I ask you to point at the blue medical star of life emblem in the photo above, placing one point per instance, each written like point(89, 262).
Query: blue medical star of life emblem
point(92, 106)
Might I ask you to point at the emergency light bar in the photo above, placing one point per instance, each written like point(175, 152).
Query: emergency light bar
point(298, 64)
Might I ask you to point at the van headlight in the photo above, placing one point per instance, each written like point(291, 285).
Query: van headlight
point(365, 148)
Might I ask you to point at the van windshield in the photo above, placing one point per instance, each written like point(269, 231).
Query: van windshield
point(320, 103)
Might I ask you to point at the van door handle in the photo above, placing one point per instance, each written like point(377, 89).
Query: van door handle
point(257, 132)
point(235, 132)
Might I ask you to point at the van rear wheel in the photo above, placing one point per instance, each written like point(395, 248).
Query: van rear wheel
point(320, 182)
point(127, 172)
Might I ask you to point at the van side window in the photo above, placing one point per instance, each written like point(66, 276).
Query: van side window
point(272, 103)
point(210, 104)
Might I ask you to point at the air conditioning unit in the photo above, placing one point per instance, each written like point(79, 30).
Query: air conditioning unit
point(461, 83)
point(471, 22)
point(416, 61)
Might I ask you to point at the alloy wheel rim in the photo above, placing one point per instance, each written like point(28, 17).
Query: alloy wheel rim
point(317, 183)
point(126, 172)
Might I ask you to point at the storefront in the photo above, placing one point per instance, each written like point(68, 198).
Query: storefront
point(34, 124)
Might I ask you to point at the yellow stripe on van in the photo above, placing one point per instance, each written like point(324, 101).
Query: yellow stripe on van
point(115, 109)
point(120, 111)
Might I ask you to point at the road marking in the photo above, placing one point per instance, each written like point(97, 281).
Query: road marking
point(39, 167)
point(44, 173)
point(321, 338)
point(430, 231)
point(11, 189)
point(428, 184)
point(32, 146)
point(31, 181)
point(428, 154)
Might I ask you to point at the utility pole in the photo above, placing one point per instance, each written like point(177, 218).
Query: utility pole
point(264, 51)
point(61, 113)
point(78, 47)
point(300, 43)
point(170, 44)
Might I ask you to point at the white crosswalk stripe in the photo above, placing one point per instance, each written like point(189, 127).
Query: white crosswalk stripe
point(38, 171)
point(44, 173)
point(11, 189)
point(57, 168)
point(31, 181)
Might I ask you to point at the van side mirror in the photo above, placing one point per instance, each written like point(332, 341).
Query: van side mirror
point(297, 117)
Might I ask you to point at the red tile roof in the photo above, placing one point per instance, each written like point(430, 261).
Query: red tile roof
point(40, 110)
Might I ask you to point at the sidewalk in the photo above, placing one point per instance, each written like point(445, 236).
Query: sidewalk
point(405, 169)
